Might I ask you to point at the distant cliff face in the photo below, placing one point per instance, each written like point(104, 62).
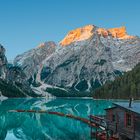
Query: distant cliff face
point(31, 61)
point(84, 60)
point(3, 63)
point(13, 81)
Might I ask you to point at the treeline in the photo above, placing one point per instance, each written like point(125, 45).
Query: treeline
point(15, 84)
point(15, 90)
point(124, 87)
point(9, 90)
point(69, 93)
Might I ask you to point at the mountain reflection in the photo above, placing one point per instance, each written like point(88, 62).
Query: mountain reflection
point(36, 126)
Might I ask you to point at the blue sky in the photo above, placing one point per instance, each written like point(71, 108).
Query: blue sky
point(26, 23)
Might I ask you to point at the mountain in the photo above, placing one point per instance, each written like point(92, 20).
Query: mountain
point(84, 60)
point(123, 87)
point(13, 82)
point(32, 63)
point(3, 63)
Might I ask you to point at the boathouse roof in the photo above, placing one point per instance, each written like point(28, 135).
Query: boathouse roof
point(135, 107)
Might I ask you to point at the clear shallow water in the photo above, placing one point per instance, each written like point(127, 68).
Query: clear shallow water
point(35, 126)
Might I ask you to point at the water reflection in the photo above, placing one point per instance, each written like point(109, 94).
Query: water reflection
point(35, 126)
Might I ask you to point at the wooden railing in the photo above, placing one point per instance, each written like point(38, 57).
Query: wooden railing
point(98, 121)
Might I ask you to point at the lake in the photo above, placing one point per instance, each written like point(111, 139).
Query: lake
point(43, 126)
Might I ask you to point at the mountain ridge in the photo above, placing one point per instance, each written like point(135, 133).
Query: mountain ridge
point(13, 82)
point(84, 64)
point(86, 32)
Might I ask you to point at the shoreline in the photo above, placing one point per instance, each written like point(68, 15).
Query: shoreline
point(83, 98)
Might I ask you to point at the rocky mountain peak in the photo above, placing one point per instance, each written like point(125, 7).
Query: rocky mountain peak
point(78, 34)
point(119, 32)
point(49, 43)
point(84, 33)
point(3, 62)
point(2, 49)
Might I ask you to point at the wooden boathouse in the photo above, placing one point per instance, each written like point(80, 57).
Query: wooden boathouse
point(122, 122)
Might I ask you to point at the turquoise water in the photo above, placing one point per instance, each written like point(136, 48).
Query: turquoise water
point(35, 126)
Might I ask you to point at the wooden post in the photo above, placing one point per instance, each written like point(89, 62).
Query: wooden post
point(107, 137)
point(90, 129)
point(134, 126)
point(96, 133)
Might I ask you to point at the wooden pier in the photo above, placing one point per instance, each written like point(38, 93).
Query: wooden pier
point(101, 132)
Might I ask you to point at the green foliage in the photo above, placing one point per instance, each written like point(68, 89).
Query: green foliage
point(95, 84)
point(32, 81)
point(63, 93)
point(45, 72)
point(101, 62)
point(124, 87)
point(82, 86)
point(57, 92)
point(9, 90)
